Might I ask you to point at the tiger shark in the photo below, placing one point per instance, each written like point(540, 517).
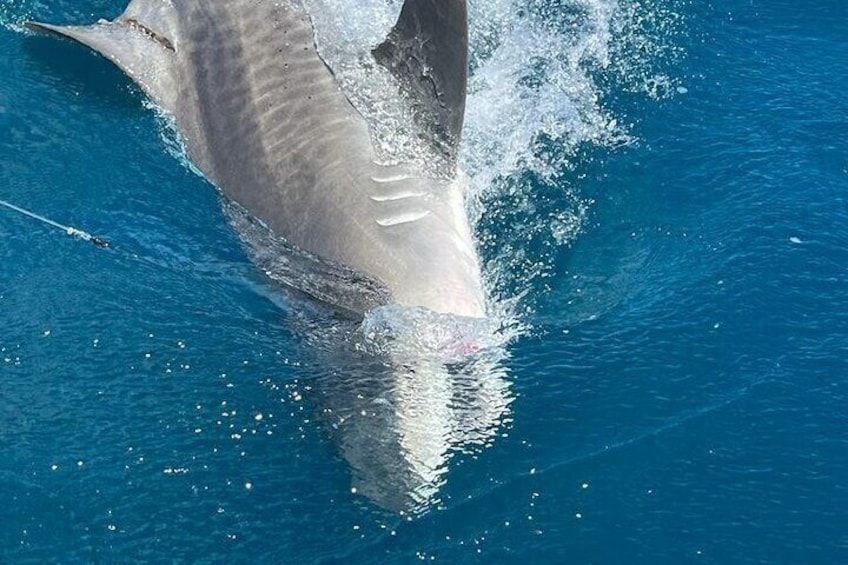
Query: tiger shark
point(263, 117)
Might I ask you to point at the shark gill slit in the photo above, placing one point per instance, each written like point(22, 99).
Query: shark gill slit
point(405, 218)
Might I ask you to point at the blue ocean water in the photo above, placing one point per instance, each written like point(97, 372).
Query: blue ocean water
point(678, 394)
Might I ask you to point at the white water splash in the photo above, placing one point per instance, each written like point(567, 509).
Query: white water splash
point(536, 71)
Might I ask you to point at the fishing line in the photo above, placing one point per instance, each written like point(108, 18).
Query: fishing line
point(69, 230)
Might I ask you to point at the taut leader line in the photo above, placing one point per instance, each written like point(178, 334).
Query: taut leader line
point(69, 230)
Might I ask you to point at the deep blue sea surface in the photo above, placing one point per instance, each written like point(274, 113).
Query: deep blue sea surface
point(671, 240)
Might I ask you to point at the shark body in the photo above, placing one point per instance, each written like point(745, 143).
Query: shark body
point(263, 117)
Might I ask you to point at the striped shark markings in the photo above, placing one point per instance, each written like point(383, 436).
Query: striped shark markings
point(264, 118)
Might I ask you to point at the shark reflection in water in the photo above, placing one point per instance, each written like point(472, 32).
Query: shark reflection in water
point(399, 413)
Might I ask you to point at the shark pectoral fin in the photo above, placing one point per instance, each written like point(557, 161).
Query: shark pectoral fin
point(427, 51)
point(141, 53)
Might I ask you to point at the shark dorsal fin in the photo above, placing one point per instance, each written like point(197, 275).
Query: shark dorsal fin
point(427, 50)
point(137, 42)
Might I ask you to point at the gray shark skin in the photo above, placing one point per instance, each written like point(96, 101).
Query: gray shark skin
point(263, 118)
